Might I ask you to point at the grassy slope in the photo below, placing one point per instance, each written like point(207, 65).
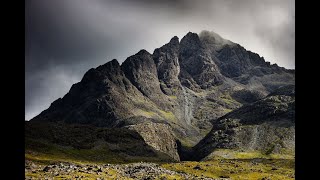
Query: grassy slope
point(47, 153)
point(249, 165)
point(238, 168)
point(242, 165)
point(45, 142)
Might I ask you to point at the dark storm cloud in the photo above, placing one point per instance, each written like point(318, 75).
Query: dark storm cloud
point(66, 38)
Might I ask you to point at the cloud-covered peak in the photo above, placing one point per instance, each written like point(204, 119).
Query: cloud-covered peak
point(213, 39)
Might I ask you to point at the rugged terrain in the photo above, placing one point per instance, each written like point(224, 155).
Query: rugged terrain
point(200, 98)
point(267, 126)
point(259, 168)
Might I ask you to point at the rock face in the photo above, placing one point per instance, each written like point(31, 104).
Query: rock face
point(267, 125)
point(159, 136)
point(166, 59)
point(196, 64)
point(186, 85)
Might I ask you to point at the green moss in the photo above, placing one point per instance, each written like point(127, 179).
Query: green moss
point(33, 175)
point(226, 98)
point(186, 142)
point(47, 153)
point(168, 115)
point(173, 97)
point(237, 168)
point(145, 113)
point(227, 110)
point(169, 177)
point(157, 114)
point(82, 156)
point(235, 154)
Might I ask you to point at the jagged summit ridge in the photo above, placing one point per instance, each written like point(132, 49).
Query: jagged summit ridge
point(186, 84)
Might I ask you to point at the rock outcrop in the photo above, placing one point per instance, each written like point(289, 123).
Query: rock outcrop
point(267, 125)
point(159, 136)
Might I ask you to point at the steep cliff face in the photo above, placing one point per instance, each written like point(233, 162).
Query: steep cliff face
point(187, 85)
point(159, 136)
point(166, 59)
point(198, 69)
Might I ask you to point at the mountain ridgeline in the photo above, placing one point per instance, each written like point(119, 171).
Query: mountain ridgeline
point(187, 99)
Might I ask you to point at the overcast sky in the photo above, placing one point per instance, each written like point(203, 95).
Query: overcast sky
point(65, 38)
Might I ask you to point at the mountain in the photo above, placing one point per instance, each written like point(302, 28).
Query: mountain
point(180, 92)
point(267, 126)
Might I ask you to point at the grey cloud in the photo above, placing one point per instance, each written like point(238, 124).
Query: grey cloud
point(43, 87)
point(66, 38)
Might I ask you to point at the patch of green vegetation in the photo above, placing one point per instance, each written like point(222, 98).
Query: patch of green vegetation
point(145, 113)
point(227, 110)
point(157, 114)
point(235, 154)
point(168, 115)
point(186, 142)
point(173, 97)
point(237, 168)
point(33, 175)
point(249, 155)
point(287, 151)
point(174, 90)
point(203, 93)
point(169, 177)
point(226, 98)
point(47, 153)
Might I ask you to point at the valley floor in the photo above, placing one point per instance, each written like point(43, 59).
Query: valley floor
point(214, 169)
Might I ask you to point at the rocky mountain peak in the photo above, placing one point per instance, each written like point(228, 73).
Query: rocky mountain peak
point(111, 68)
point(174, 41)
point(142, 52)
point(190, 36)
point(190, 43)
point(213, 40)
point(166, 59)
point(141, 70)
point(198, 70)
point(186, 84)
point(142, 59)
